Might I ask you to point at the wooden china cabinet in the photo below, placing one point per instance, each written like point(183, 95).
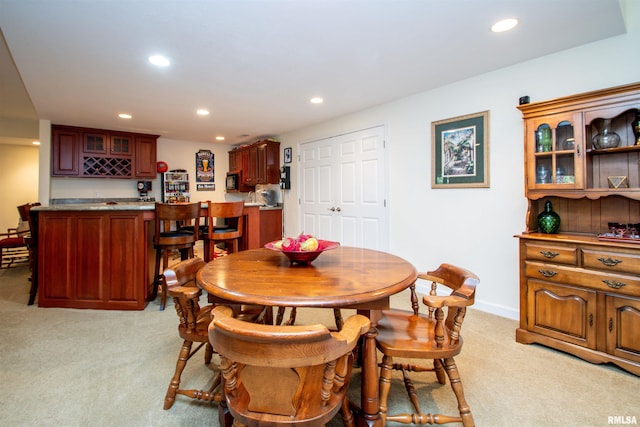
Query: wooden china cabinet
point(580, 288)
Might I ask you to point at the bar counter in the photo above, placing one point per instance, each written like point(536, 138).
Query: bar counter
point(95, 255)
point(100, 255)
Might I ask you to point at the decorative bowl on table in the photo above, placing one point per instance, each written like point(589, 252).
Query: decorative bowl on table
point(301, 256)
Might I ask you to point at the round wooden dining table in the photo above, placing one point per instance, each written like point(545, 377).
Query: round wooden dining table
point(345, 277)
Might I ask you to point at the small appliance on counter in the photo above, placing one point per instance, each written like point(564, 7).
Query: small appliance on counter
point(267, 194)
point(143, 188)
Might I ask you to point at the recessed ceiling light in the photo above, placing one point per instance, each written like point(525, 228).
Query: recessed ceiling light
point(219, 138)
point(316, 100)
point(202, 112)
point(35, 142)
point(504, 25)
point(159, 60)
point(125, 116)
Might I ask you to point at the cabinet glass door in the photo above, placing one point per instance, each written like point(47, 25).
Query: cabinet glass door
point(556, 154)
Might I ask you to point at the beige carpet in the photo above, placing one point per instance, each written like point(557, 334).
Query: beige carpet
point(111, 368)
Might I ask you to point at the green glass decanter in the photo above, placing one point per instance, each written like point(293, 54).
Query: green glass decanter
point(548, 220)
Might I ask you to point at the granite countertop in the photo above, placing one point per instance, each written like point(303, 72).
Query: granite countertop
point(114, 205)
point(104, 206)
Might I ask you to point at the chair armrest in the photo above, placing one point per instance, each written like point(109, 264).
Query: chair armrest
point(435, 301)
point(187, 292)
point(353, 327)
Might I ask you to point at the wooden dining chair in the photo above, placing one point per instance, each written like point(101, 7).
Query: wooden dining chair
point(192, 327)
point(229, 233)
point(284, 375)
point(15, 243)
point(168, 236)
point(432, 336)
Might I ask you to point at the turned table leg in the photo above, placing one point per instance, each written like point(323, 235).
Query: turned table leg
point(369, 391)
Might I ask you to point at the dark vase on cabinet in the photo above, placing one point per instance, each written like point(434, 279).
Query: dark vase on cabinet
point(548, 220)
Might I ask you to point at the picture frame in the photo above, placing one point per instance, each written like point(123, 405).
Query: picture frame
point(288, 155)
point(460, 151)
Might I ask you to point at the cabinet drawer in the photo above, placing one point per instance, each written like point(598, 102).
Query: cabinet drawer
point(620, 262)
point(552, 253)
point(602, 281)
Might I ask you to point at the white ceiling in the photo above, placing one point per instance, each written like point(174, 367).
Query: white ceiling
point(256, 63)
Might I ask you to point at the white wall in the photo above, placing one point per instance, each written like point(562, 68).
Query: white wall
point(19, 174)
point(473, 227)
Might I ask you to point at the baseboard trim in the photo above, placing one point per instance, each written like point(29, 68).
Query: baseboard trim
point(489, 307)
point(498, 310)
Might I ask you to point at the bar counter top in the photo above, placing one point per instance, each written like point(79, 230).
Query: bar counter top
point(120, 206)
point(106, 206)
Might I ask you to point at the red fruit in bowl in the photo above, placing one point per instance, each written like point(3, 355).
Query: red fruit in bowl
point(288, 244)
point(303, 237)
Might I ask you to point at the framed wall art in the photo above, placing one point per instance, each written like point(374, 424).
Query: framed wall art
point(287, 155)
point(460, 151)
point(204, 166)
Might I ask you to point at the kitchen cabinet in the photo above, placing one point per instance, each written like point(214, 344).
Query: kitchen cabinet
point(97, 153)
point(261, 226)
point(258, 163)
point(146, 155)
point(235, 159)
point(104, 142)
point(580, 288)
point(65, 150)
point(96, 260)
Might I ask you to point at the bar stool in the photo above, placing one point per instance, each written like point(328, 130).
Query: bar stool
point(233, 215)
point(169, 235)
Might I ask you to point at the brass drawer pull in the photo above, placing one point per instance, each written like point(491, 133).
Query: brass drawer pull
point(549, 254)
point(591, 319)
point(547, 273)
point(614, 284)
point(610, 262)
point(610, 324)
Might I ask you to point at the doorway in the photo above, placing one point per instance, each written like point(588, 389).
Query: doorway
point(343, 189)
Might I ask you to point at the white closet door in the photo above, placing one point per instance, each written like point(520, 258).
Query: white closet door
point(342, 189)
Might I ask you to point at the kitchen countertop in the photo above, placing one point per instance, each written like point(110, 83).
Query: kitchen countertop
point(118, 206)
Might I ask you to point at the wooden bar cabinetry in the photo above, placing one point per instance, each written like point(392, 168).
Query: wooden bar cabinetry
point(96, 153)
point(257, 163)
point(94, 259)
point(580, 288)
point(261, 226)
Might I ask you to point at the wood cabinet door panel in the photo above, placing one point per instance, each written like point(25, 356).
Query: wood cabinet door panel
point(145, 159)
point(562, 312)
point(57, 268)
point(95, 142)
point(90, 242)
point(270, 225)
point(65, 147)
point(125, 270)
point(623, 327)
